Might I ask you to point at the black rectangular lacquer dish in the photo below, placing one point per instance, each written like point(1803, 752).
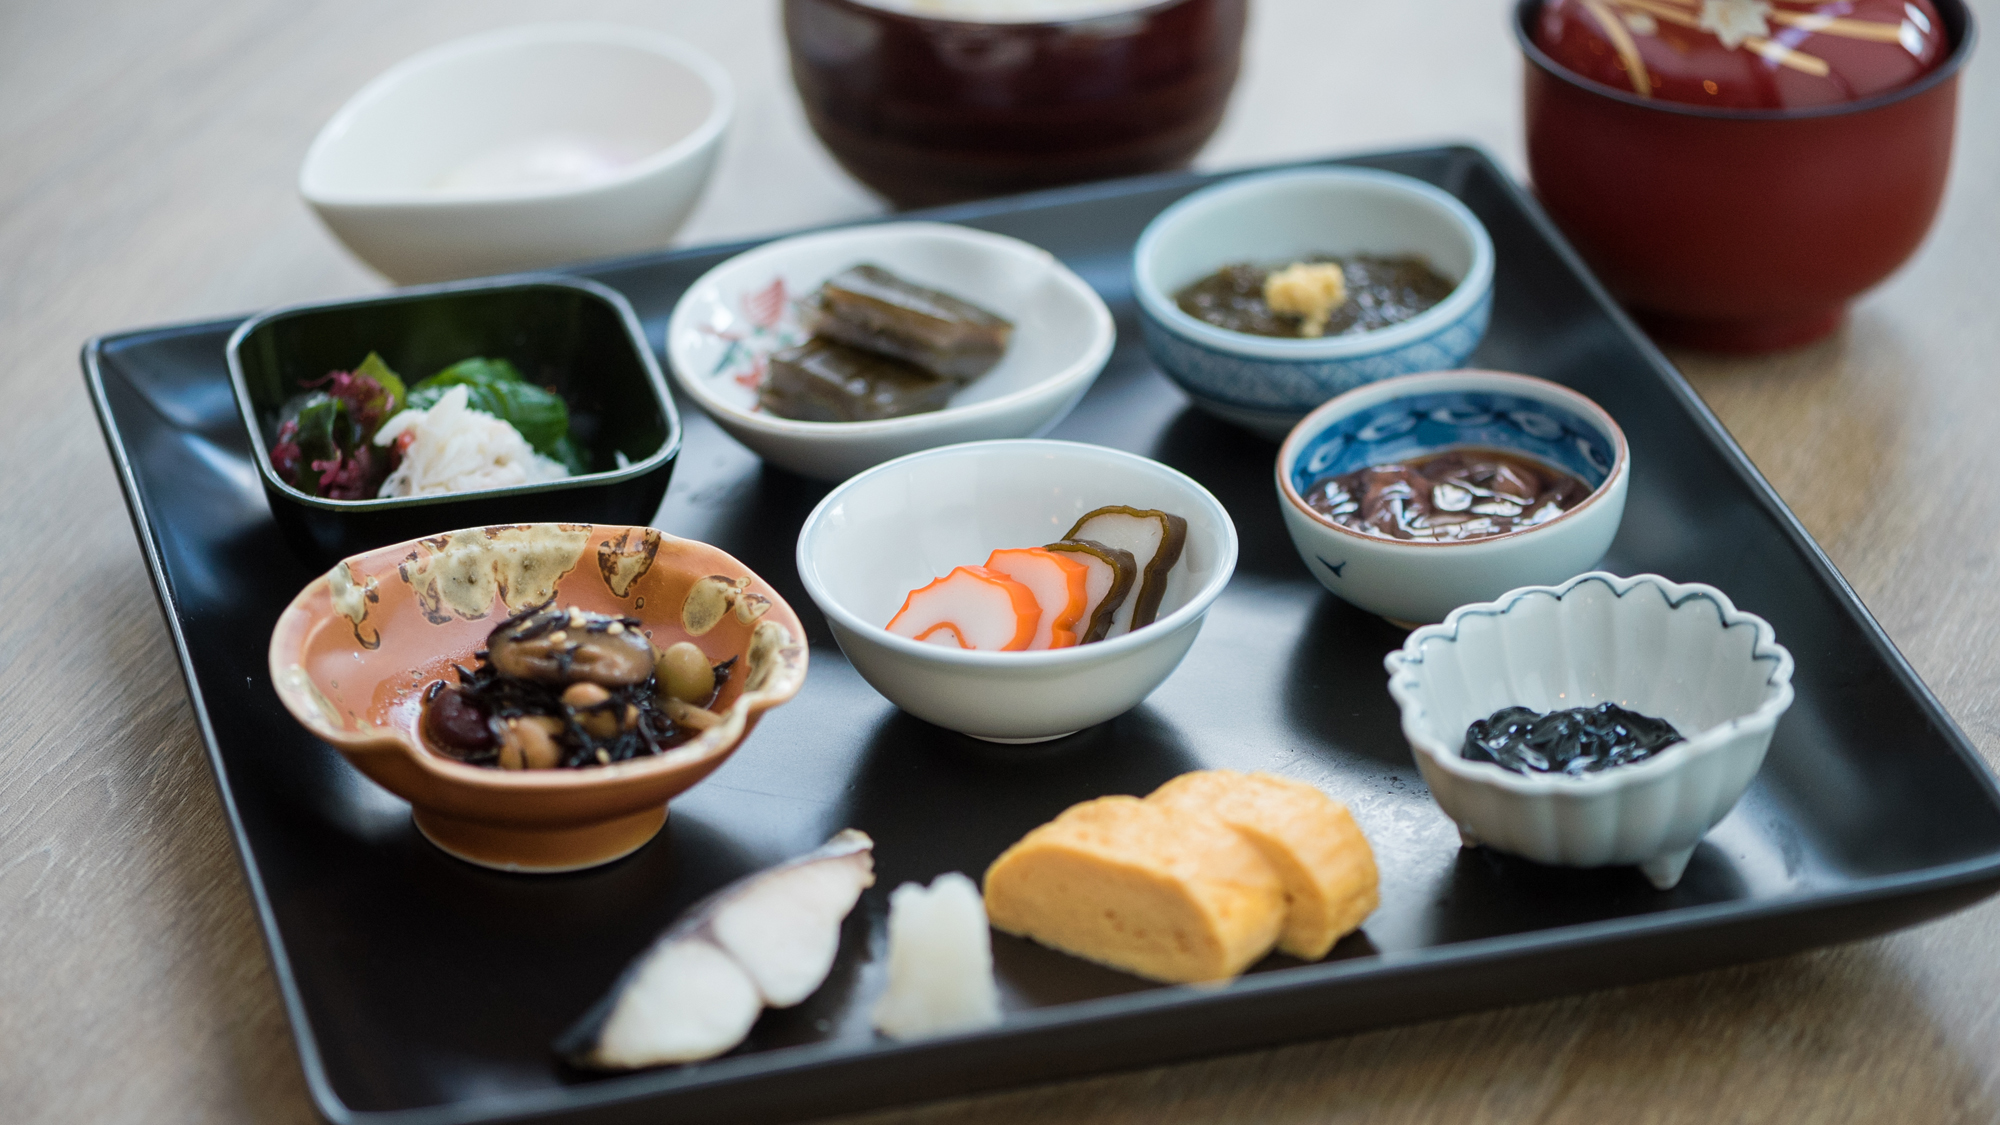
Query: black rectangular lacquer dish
point(422, 989)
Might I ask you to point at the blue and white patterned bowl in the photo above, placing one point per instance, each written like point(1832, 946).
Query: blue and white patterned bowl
point(1414, 581)
point(1265, 383)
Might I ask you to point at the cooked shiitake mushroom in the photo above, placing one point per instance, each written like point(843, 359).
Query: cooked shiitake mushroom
point(564, 687)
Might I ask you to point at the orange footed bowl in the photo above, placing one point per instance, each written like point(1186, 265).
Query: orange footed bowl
point(354, 651)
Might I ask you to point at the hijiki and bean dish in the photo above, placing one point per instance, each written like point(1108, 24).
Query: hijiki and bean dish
point(563, 688)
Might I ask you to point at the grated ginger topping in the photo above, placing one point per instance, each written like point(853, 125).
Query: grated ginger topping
point(1309, 291)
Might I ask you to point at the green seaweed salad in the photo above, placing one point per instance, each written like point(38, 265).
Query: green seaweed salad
point(325, 444)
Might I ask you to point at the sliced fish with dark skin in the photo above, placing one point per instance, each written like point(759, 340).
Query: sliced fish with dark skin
point(767, 940)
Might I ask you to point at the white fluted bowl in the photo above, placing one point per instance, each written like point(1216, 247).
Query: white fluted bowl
point(1679, 652)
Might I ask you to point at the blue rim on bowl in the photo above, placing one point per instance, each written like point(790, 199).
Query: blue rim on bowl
point(1408, 580)
point(1562, 428)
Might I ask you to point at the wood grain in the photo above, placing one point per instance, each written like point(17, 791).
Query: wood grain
point(147, 161)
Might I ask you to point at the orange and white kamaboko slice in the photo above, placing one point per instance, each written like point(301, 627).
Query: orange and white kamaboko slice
point(972, 607)
point(1060, 585)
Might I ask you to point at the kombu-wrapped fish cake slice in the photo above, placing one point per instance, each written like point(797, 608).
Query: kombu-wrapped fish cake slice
point(871, 308)
point(1113, 572)
point(825, 381)
point(1154, 537)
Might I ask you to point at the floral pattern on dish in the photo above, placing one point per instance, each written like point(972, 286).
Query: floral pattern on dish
point(766, 321)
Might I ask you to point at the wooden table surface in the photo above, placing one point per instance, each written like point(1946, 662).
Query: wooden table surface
point(148, 154)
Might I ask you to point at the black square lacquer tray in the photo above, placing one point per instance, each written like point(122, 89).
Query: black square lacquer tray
point(422, 989)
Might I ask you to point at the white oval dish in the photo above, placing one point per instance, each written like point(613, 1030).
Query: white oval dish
point(1416, 582)
point(741, 311)
point(520, 148)
point(1679, 652)
point(1266, 383)
point(898, 526)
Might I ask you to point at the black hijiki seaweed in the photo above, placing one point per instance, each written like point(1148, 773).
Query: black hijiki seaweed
point(1575, 742)
point(499, 696)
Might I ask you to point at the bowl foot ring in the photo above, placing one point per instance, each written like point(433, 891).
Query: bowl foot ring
point(1665, 871)
point(541, 851)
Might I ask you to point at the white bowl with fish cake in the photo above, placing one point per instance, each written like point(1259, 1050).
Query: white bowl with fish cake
point(898, 526)
point(735, 315)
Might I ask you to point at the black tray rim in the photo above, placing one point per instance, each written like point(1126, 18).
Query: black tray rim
point(1962, 882)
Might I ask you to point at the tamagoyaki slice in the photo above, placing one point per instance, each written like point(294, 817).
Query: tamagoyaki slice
point(1060, 585)
point(1108, 586)
point(1155, 539)
point(972, 607)
point(1141, 886)
point(1308, 838)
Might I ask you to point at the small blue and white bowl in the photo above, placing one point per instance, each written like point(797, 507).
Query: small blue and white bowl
point(1266, 384)
point(1413, 582)
point(1679, 652)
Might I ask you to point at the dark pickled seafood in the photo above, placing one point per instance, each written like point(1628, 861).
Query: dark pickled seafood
point(1378, 291)
point(1454, 495)
point(767, 940)
point(870, 308)
point(564, 688)
point(1154, 538)
point(1112, 575)
point(1575, 742)
point(824, 381)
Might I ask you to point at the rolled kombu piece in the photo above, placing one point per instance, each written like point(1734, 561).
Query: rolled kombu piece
point(1113, 572)
point(869, 307)
point(1154, 538)
point(824, 381)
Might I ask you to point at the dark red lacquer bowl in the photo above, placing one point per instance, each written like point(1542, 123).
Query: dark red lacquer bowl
point(930, 110)
point(1740, 229)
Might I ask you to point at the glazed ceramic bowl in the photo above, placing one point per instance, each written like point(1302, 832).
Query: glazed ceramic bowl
point(576, 336)
point(354, 652)
point(1740, 229)
point(518, 149)
point(1677, 652)
point(738, 313)
point(900, 525)
point(1265, 383)
point(1413, 582)
point(930, 102)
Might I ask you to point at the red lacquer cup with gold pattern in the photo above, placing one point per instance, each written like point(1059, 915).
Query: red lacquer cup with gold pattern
point(1737, 171)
